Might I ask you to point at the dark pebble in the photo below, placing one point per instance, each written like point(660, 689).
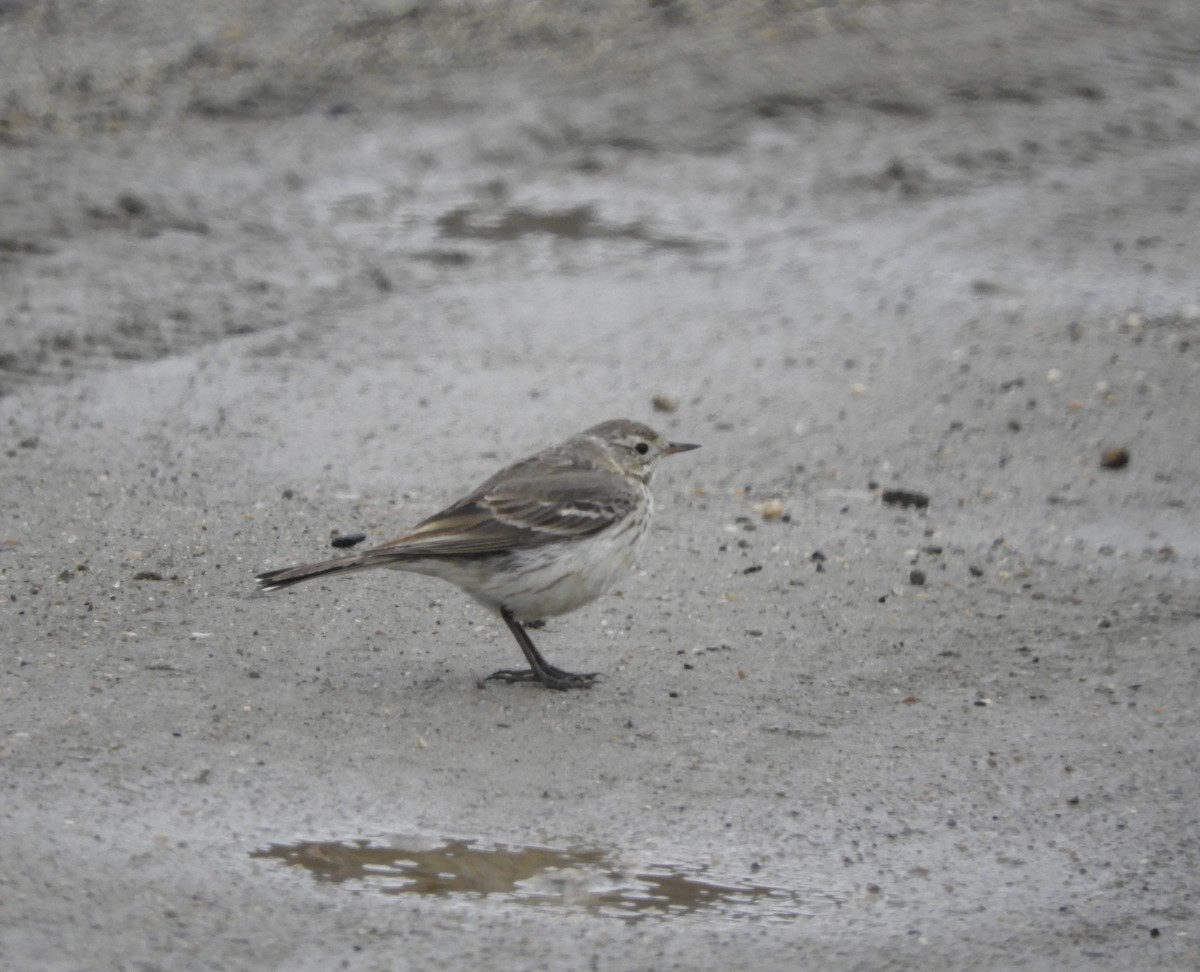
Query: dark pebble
point(916, 577)
point(1117, 458)
point(133, 205)
point(347, 539)
point(905, 498)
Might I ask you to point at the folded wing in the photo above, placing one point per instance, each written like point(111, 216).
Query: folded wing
point(518, 513)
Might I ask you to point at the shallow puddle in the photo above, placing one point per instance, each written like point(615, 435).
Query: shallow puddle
point(577, 223)
point(584, 878)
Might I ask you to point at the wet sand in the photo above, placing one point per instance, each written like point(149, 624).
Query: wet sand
point(268, 277)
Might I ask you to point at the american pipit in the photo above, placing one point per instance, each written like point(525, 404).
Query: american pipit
point(542, 537)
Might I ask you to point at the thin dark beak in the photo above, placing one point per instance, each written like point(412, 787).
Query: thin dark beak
point(674, 447)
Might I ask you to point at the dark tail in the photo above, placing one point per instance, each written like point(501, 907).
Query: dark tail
point(273, 580)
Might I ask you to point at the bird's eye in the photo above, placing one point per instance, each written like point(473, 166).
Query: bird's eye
point(641, 448)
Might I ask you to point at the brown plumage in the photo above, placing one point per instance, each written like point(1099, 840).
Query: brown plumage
point(541, 537)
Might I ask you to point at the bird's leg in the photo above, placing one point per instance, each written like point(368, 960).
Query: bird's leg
point(539, 669)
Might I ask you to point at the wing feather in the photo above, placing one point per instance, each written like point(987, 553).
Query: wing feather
point(517, 512)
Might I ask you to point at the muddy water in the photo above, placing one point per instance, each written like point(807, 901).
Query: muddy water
point(583, 878)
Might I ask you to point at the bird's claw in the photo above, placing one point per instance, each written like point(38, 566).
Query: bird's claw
point(554, 678)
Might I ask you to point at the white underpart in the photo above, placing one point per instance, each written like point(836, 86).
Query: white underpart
point(546, 580)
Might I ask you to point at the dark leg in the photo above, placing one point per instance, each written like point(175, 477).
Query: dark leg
point(539, 669)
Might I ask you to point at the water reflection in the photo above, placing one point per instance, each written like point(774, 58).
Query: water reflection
point(586, 878)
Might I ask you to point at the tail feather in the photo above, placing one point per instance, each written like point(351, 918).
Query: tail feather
point(273, 580)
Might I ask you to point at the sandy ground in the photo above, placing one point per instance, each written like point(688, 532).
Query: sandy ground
point(270, 272)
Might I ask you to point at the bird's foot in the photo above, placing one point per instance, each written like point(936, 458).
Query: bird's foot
point(554, 678)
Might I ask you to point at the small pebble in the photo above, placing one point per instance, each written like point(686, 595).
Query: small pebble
point(904, 498)
point(1115, 458)
point(133, 205)
point(771, 509)
point(665, 403)
point(916, 577)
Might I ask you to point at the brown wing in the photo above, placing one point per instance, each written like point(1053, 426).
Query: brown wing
point(517, 512)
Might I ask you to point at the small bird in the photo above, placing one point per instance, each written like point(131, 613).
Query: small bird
point(542, 537)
